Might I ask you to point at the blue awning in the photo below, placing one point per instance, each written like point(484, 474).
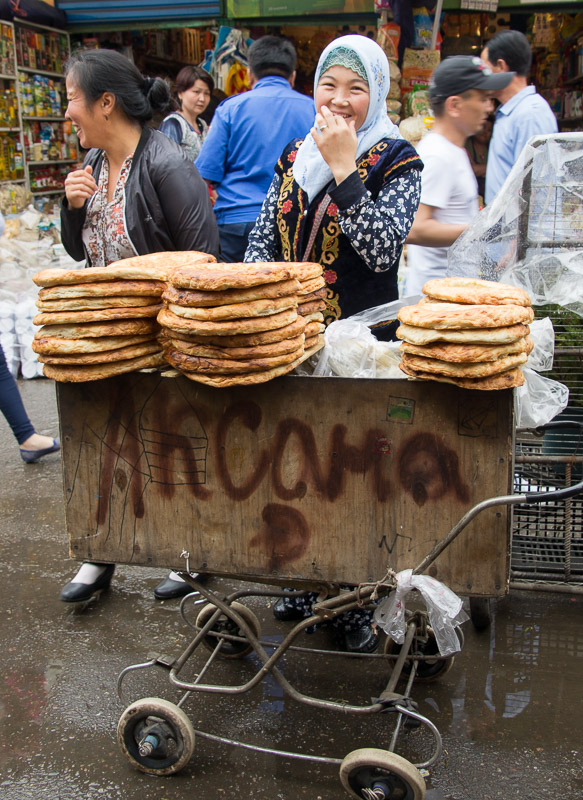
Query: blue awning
point(134, 12)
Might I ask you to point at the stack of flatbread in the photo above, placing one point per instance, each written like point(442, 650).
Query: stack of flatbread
point(468, 332)
point(312, 291)
point(100, 322)
point(231, 324)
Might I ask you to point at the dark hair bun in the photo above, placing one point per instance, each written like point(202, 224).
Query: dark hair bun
point(158, 93)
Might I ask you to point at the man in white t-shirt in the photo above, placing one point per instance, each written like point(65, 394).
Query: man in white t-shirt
point(459, 92)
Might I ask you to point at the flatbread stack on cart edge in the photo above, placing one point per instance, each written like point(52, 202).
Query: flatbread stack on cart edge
point(466, 331)
point(237, 324)
point(101, 321)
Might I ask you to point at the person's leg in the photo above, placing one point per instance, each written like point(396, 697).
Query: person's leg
point(233, 240)
point(11, 404)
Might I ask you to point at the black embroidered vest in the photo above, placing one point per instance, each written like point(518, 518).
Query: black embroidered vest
point(351, 285)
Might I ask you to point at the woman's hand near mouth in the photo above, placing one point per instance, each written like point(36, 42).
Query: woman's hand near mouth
point(336, 140)
point(80, 186)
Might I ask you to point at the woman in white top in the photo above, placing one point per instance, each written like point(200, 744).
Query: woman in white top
point(192, 94)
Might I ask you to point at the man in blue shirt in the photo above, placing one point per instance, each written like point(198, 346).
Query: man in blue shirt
point(522, 114)
point(247, 136)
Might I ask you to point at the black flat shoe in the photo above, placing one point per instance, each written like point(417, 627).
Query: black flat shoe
point(285, 613)
point(364, 640)
point(168, 589)
point(80, 592)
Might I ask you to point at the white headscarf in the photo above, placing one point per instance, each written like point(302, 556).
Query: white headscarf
point(310, 170)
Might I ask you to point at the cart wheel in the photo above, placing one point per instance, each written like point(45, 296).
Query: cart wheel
point(427, 670)
point(480, 612)
point(224, 624)
point(156, 736)
point(372, 773)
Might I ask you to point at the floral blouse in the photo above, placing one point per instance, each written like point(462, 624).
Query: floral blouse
point(104, 233)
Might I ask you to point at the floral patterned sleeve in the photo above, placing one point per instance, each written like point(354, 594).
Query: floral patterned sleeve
point(377, 229)
point(263, 244)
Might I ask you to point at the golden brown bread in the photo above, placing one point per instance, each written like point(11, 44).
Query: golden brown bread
point(97, 315)
point(311, 307)
point(290, 331)
point(447, 351)
point(95, 372)
point(250, 378)
point(479, 369)
point(423, 336)
point(191, 297)
point(121, 288)
point(105, 356)
point(226, 327)
point(238, 353)
point(52, 345)
point(253, 308)
point(503, 380)
point(306, 270)
point(90, 330)
point(215, 277)
point(461, 316)
point(189, 363)
point(312, 285)
point(87, 303)
point(475, 290)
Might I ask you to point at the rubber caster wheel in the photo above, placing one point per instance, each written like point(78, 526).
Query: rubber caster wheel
point(156, 736)
point(428, 670)
point(480, 612)
point(224, 624)
point(375, 774)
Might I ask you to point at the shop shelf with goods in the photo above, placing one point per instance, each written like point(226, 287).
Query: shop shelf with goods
point(11, 142)
point(49, 144)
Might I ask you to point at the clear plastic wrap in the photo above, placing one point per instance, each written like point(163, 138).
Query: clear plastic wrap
point(444, 609)
point(531, 235)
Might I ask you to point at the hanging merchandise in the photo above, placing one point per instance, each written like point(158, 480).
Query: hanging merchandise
point(230, 52)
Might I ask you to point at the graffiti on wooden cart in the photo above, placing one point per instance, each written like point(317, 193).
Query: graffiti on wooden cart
point(167, 444)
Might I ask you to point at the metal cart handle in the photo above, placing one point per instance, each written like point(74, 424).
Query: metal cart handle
point(532, 498)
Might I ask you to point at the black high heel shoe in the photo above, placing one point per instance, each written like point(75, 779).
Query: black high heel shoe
point(74, 592)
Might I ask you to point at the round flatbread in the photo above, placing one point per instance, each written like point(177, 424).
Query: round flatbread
point(493, 336)
point(314, 343)
point(315, 316)
point(90, 330)
point(448, 351)
point(290, 331)
point(94, 372)
point(461, 316)
point(188, 363)
point(314, 328)
point(318, 294)
point(106, 356)
point(154, 266)
point(306, 270)
point(103, 289)
point(245, 379)
point(189, 297)
point(216, 277)
point(52, 345)
point(226, 327)
point(504, 380)
point(91, 303)
point(475, 370)
point(239, 353)
point(305, 309)
point(312, 285)
point(254, 308)
point(475, 290)
point(97, 315)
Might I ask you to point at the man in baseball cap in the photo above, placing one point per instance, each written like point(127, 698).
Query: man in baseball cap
point(460, 96)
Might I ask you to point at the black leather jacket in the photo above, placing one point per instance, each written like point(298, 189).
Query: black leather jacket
point(167, 204)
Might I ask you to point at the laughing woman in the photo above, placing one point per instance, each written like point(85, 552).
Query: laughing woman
point(345, 197)
point(347, 194)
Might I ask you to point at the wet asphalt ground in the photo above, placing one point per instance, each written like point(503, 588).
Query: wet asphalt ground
point(509, 710)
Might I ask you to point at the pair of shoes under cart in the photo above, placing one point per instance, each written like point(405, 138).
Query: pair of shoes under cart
point(76, 592)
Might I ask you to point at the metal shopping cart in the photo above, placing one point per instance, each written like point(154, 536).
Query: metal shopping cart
point(307, 483)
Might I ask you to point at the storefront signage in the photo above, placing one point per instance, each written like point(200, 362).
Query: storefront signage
point(479, 5)
point(237, 9)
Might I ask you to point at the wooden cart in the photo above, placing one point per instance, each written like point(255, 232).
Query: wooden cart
point(302, 482)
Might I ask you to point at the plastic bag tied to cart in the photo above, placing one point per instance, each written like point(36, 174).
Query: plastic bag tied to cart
point(444, 609)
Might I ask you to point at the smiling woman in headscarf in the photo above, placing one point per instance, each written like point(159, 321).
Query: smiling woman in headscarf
point(347, 194)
